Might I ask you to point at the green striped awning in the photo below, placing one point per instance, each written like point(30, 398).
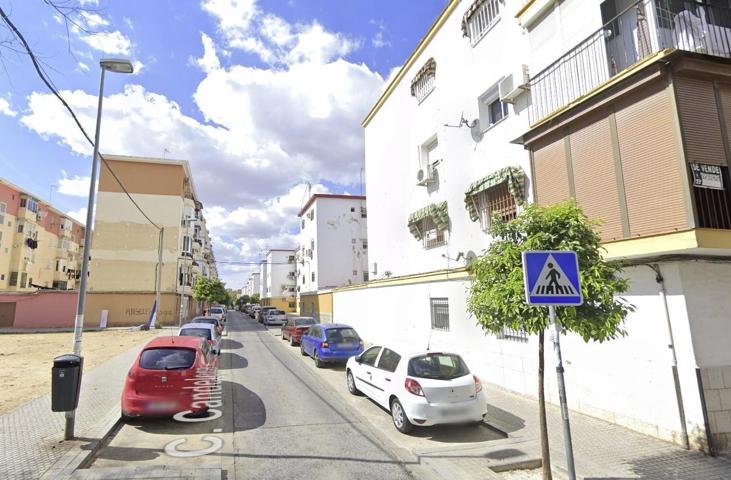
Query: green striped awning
point(515, 176)
point(437, 211)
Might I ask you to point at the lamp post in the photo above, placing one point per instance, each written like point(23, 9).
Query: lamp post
point(116, 66)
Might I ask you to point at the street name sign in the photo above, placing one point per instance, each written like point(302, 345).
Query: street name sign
point(552, 278)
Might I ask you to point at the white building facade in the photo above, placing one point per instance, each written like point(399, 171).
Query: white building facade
point(252, 284)
point(263, 277)
point(279, 285)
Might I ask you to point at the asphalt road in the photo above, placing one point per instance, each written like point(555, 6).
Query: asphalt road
point(279, 420)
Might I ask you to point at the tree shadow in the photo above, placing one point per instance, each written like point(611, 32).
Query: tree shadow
point(232, 361)
point(503, 420)
point(229, 344)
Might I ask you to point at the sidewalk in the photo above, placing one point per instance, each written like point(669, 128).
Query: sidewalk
point(602, 450)
point(31, 436)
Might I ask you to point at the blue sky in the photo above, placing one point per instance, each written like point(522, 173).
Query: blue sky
point(260, 96)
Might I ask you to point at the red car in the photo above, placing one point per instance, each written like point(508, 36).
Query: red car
point(295, 327)
point(155, 385)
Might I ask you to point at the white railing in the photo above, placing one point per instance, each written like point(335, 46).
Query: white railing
point(486, 16)
point(424, 86)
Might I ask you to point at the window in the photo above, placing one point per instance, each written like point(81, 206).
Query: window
point(429, 152)
point(20, 227)
point(23, 280)
point(313, 276)
point(13, 279)
point(303, 224)
point(424, 81)
point(510, 334)
point(365, 276)
point(492, 110)
point(167, 358)
point(186, 244)
point(389, 360)
point(480, 18)
point(369, 356)
point(352, 209)
point(290, 259)
point(364, 241)
point(59, 264)
point(355, 273)
point(292, 304)
point(3, 206)
point(30, 204)
point(439, 314)
point(1, 237)
point(438, 366)
point(495, 201)
point(433, 236)
point(363, 212)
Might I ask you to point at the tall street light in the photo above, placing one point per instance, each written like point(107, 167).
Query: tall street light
point(115, 65)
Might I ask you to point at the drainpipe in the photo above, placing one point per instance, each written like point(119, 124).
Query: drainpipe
point(676, 379)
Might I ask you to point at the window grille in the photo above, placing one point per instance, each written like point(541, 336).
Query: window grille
point(714, 205)
point(480, 18)
point(496, 201)
point(2, 213)
point(13, 279)
point(515, 335)
point(424, 81)
point(433, 236)
point(439, 313)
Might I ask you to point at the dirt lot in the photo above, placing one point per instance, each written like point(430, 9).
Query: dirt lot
point(27, 359)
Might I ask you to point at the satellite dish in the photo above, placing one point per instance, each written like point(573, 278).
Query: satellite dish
point(420, 175)
point(470, 256)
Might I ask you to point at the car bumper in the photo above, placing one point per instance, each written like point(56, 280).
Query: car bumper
point(140, 405)
point(329, 356)
point(421, 412)
point(275, 322)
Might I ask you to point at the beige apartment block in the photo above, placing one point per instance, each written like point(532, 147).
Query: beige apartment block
point(124, 247)
point(40, 246)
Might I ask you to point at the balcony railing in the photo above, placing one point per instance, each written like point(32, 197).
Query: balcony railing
point(638, 31)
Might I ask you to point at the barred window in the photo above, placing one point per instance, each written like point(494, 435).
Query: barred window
point(13, 279)
point(496, 201)
point(3, 206)
point(480, 18)
point(433, 236)
point(424, 81)
point(515, 335)
point(439, 314)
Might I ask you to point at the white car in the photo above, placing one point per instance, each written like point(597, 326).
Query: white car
point(419, 388)
point(205, 330)
point(217, 312)
point(274, 317)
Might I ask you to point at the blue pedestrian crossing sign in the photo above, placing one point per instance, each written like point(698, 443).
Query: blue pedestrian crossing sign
point(552, 278)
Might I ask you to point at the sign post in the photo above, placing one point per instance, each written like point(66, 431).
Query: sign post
point(552, 278)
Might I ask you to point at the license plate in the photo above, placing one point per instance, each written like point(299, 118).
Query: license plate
point(346, 346)
point(160, 406)
point(454, 412)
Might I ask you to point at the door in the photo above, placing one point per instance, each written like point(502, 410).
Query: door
point(309, 340)
point(7, 314)
point(382, 376)
point(364, 371)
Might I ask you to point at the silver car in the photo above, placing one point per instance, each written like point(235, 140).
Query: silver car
point(275, 317)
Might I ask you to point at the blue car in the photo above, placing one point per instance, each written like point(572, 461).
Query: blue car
point(332, 342)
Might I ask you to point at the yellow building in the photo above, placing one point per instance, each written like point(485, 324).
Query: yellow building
point(40, 246)
point(124, 252)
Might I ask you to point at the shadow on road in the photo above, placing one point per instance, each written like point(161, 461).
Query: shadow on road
point(508, 422)
point(232, 361)
point(458, 433)
point(229, 344)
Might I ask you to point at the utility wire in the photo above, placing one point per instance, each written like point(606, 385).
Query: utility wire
point(47, 82)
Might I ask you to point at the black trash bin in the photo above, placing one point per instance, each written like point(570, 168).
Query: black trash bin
point(66, 382)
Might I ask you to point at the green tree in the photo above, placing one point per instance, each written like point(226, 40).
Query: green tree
point(497, 295)
point(210, 290)
point(255, 298)
point(243, 300)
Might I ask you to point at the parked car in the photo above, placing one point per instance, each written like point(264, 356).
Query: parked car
point(261, 312)
point(333, 342)
point(254, 310)
point(205, 330)
point(155, 384)
point(419, 388)
point(218, 312)
point(211, 320)
point(275, 317)
point(295, 327)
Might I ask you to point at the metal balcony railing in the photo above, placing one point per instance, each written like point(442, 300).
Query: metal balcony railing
point(638, 31)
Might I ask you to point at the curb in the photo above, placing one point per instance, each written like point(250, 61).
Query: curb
point(80, 456)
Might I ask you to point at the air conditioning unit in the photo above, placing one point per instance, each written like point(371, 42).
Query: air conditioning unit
point(374, 268)
point(425, 176)
point(513, 85)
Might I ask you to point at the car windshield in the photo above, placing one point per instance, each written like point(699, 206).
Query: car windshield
point(437, 366)
point(167, 358)
point(216, 310)
point(196, 332)
point(304, 322)
point(342, 335)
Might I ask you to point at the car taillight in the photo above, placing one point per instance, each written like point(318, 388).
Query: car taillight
point(412, 386)
point(325, 345)
point(478, 384)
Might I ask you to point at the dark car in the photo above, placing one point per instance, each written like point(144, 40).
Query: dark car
point(333, 342)
point(295, 327)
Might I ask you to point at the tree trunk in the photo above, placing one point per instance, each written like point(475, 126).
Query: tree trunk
point(545, 452)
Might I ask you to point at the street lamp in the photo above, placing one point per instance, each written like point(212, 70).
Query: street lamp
point(115, 65)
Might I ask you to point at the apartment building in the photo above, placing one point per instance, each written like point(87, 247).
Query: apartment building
point(630, 112)
point(278, 280)
point(125, 245)
point(332, 251)
point(252, 285)
point(40, 246)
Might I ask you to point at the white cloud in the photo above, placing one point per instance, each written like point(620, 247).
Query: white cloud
point(234, 16)
point(209, 61)
point(76, 186)
point(78, 215)
point(6, 108)
point(138, 66)
point(93, 3)
point(378, 41)
point(92, 20)
point(113, 43)
point(82, 67)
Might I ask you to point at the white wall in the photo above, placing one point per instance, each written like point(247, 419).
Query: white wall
point(393, 137)
point(263, 279)
point(278, 273)
point(627, 381)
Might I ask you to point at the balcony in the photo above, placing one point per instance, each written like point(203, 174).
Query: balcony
point(636, 33)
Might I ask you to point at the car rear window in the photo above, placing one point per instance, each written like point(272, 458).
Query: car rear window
point(276, 312)
point(167, 358)
point(304, 322)
point(216, 310)
point(342, 335)
point(438, 366)
point(196, 332)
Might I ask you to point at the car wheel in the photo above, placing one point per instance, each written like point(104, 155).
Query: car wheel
point(351, 384)
point(400, 421)
point(302, 350)
point(318, 363)
point(291, 341)
point(126, 418)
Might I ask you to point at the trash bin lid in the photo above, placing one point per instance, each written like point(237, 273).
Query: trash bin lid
point(68, 360)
